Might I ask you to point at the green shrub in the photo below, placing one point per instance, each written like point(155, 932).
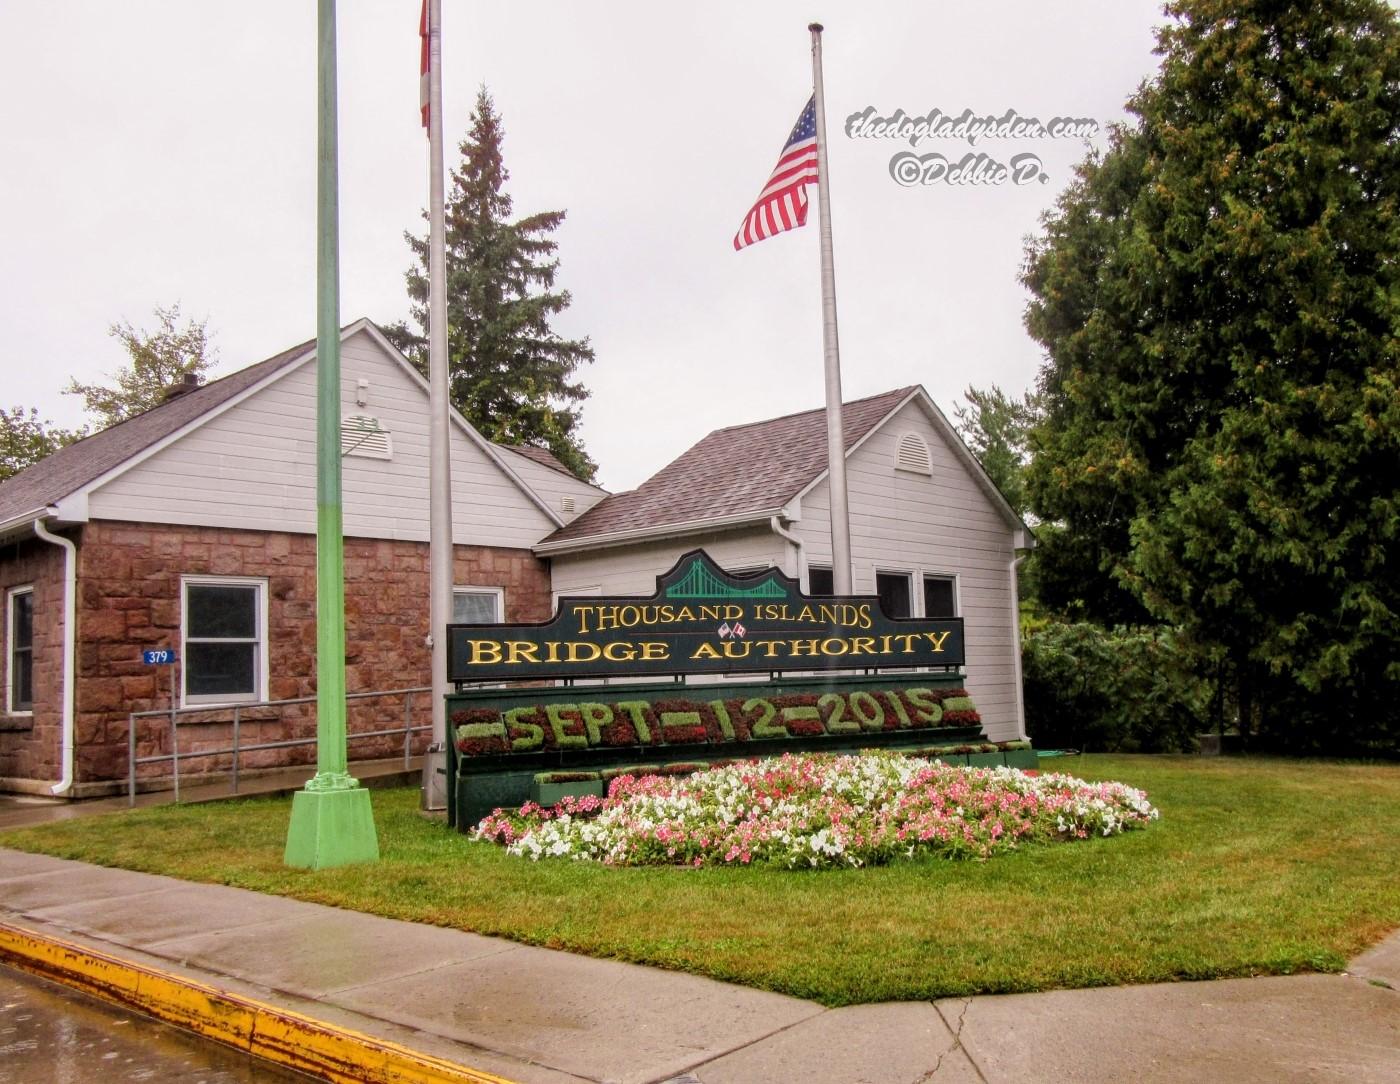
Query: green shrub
point(1115, 690)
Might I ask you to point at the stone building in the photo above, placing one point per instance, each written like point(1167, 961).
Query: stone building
point(191, 527)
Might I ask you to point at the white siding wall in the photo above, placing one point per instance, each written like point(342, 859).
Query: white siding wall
point(552, 485)
point(945, 524)
point(254, 466)
point(632, 570)
point(900, 522)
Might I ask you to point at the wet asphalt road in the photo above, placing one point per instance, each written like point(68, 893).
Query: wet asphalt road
point(52, 1035)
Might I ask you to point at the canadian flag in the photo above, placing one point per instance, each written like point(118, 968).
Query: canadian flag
point(423, 93)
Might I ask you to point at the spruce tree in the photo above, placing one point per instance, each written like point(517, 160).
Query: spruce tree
point(510, 374)
point(1219, 299)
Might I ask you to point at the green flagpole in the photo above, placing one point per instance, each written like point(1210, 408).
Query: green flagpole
point(332, 822)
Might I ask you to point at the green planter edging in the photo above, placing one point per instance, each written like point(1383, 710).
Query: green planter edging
point(547, 792)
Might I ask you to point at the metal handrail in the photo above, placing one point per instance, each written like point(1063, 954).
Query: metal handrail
point(173, 714)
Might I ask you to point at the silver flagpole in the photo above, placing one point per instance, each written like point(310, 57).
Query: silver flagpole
point(439, 461)
point(835, 440)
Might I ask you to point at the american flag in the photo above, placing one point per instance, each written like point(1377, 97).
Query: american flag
point(782, 205)
point(423, 95)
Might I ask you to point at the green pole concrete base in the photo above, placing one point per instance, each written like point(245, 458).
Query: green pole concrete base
point(331, 828)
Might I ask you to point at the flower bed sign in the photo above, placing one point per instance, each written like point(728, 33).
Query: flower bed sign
point(509, 744)
point(704, 620)
point(859, 679)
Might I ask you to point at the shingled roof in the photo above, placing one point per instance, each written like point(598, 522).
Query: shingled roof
point(543, 456)
point(744, 471)
point(69, 469)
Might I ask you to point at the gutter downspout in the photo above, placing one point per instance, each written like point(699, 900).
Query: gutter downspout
point(1016, 646)
point(70, 641)
point(798, 545)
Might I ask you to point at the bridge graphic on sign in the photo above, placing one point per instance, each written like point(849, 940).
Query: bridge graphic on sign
point(701, 582)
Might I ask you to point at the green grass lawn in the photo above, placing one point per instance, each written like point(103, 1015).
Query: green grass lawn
point(1257, 867)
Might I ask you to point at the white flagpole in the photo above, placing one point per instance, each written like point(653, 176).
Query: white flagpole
point(835, 440)
point(439, 461)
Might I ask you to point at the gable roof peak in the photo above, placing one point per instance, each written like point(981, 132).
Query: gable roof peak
point(67, 470)
point(897, 395)
point(712, 481)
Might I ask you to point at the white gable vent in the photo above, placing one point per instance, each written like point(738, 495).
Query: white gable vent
point(566, 504)
point(912, 455)
point(361, 434)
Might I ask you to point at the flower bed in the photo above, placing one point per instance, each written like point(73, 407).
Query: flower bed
point(804, 811)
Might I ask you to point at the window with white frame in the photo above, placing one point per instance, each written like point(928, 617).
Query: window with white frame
point(224, 639)
point(895, 594)
point(477, 605)
point(940, 595)
point(19, 653)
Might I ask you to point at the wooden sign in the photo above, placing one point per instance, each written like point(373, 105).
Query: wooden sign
point(704, 620)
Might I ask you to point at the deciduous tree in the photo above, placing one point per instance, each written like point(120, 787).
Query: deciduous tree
point(25, 439)
point(160, 360)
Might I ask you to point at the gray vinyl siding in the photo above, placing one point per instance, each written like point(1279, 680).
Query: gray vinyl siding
point(553, 486)
point(632, 570)
point(254, 467)
point(939, 524)
point(943, 523)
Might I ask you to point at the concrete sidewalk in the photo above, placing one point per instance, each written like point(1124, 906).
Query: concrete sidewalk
point(534, 1015)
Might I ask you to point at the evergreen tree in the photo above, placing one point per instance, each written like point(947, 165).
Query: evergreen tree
point(995, 427)
point(160, 360)
point(509, 372)
point(25, 439)
point(1088, 461)
point(1219, 297)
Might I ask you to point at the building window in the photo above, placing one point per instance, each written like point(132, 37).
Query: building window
point(19, 628)
point(821, 583)
point(940, 596)
point(477, 605)
point(893, 589)
point(224, 625)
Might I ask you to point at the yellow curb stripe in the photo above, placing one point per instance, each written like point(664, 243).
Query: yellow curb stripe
point(278, 1035)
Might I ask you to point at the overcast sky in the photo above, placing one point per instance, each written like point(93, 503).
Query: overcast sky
point(162, 151)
